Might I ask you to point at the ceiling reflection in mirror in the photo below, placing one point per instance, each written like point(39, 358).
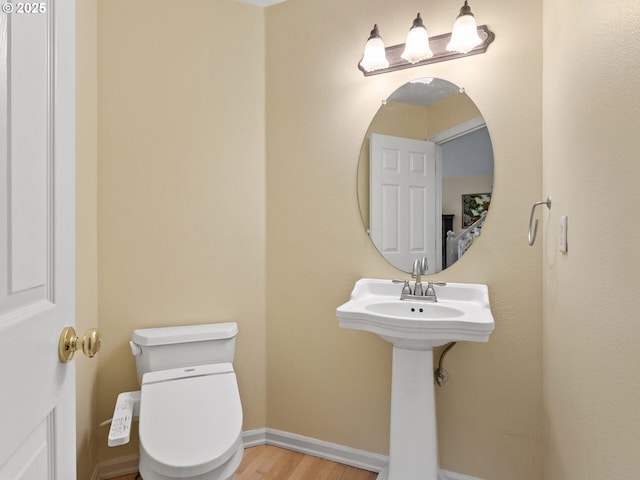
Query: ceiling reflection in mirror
point(425, 175)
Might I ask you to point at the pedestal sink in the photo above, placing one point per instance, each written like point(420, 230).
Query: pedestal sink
point(414, 327)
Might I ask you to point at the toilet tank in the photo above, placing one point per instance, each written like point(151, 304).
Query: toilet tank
point(174, 347)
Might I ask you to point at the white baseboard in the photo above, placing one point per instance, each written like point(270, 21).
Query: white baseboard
point(298, 443)
point(331, 451)
point(117, 467)
point(318, 448)
point(253, 438)
point(456, 476)
point(95, 475)
point(442, 475)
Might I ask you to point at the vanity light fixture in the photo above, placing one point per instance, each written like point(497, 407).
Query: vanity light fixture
point(465, 40)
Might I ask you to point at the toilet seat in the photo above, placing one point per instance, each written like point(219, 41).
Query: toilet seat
point(190, 419)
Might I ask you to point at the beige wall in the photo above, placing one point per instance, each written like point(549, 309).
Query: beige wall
point(333, 384)
point(591, 170)
point(181, 184)
point(182, 232)
point(450, 112)
point(86, 230)
point(182, 238)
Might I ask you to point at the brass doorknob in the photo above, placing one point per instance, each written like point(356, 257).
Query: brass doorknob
point(70, 342)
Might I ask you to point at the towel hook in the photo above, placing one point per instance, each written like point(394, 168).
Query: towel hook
point(532, 236)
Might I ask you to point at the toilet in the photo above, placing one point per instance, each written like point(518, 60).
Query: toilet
point(190, 410)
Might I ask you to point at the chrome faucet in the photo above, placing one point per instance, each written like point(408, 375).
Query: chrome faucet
point(418, 271)
point(420, 267)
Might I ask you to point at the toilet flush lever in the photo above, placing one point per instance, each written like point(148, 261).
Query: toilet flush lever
point(135, 349)
point(127, 407)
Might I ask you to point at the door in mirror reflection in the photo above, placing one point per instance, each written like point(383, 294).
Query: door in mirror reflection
point(405, 200)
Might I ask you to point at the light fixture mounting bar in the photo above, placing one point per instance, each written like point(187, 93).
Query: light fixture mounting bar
point(438, 45)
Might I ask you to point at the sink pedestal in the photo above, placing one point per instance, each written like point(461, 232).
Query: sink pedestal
point(413, 446)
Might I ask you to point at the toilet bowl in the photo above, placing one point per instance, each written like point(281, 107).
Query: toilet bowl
point(190, 416)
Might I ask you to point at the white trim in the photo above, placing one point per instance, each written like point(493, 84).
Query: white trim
point(95, 475)
point(253, 438)
point(442, 475)
point(262, 3)
point(459, 130)
point(456, 476)
point(318, 448)
point(117, 467)
point(353, 457)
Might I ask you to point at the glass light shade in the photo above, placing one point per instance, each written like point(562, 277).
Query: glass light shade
point(375, 57)
point(416, 47)
point(464, 36)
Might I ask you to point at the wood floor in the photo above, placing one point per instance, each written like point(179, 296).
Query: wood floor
point(266, 462)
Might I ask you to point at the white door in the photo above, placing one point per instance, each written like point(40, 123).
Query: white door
point(405, 201)
point(37, 195)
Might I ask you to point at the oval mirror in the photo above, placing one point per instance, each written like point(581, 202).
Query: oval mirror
point(425, 175)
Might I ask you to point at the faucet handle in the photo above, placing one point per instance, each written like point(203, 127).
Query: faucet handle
point(431, 292)
point(406, 288)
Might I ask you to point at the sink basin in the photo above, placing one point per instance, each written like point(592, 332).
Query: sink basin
point(413, 310)
point(462, 313)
